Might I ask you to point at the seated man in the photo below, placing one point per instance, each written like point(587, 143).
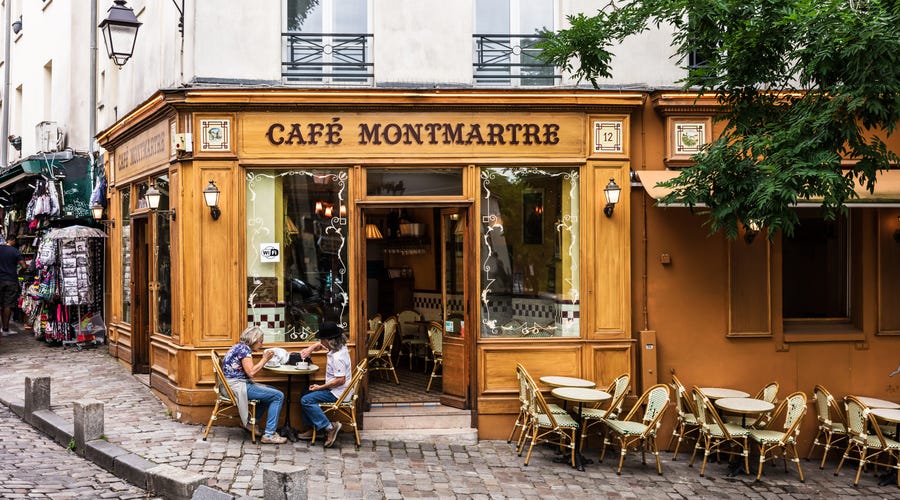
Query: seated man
point(337, 376)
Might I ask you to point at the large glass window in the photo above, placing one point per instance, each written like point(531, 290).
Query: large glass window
point(163, 259)
point(530, 252)
point(505, 38)
point(327, 41)
point(296, 251)
point(125, 197)
point(414, 182)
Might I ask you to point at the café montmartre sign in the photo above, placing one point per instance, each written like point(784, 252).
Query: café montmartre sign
point(429, 133)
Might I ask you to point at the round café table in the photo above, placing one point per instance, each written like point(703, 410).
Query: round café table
point(878, 403)
point(721, 392)
point(744, 407)
point(290, 370)
point(580, 395)
point(889, 415)
point(556, 381)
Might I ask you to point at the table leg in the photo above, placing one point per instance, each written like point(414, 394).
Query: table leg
point(580, 460)
point(286, 430)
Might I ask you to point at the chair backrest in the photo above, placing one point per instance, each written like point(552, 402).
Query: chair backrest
point(618, 389)
point(436, 338)
point(372, 341)
point(859, 421)
point(375, 322)
point(350, 392)
point(522, 378)
point(389, 329)
point(769, 392)
point(655, 400)
point(827, 409)
point(404, 318)
point(796, 409)
point(537, 403)
point(221, 385)
point(683, 402)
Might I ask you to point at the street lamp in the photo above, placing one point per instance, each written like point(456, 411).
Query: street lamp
point(611, 191)
point(211, 196)
point(119, 32)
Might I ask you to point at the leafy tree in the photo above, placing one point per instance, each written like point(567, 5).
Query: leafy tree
point(801, 83)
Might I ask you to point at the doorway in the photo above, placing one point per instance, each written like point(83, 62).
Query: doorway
point(414, 272)
point(140, 295)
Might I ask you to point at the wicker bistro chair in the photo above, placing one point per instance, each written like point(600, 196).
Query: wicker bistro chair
point(832, 429)
point(345, 406)
point(629, 431)
point(546, 427)
point(380, 358)
point(436, 346)
point(522, 419)
point(717, 436)
point(770, 442)
point(226, 400)
point(411, 340)
point(871, 448)
point(686, 424)
point(593, 417)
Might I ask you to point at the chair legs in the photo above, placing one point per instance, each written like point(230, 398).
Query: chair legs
point(437, 363)
point(212, 418)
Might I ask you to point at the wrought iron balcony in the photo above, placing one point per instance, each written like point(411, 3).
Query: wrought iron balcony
point(327, 58)
point(507, 59)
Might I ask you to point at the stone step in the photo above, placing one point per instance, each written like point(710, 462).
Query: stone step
point(437, 436)
point(417, 418)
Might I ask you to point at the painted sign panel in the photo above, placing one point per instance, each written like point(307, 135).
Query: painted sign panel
point(145, 151)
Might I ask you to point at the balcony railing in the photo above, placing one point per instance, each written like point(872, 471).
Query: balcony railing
point(511, 60)
point(327, 58)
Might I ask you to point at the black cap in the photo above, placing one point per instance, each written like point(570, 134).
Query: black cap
point(329, 330)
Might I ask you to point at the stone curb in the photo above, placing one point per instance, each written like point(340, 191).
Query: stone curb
point(158, 479)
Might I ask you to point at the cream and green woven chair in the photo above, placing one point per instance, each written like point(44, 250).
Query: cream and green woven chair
point(547, 427)
point(522, 419)
point(686, 424)
point(345, 407)
point(380, 357)
point(769, 393)
point(832, 429)
point(436, 346)
point(630, 431)
point(871, 448)
point(594, 417)
point(226, 400)
point(772, 441)
point(717, 436)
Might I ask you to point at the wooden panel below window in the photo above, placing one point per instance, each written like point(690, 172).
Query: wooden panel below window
point(498, 364)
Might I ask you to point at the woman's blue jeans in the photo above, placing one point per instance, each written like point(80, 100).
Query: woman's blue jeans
point(270, 400)
point(312, 414)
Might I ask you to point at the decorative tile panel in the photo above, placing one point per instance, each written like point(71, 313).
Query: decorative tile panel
point(608, 137)
point(215, 135)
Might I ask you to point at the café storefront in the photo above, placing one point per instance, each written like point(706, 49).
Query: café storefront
point(482, 211)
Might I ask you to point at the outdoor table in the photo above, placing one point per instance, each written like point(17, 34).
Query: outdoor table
point(580, 395)
point(878, 403)
point(721, 392)
point(555, 381)
point(744, 407)
point(290, 370)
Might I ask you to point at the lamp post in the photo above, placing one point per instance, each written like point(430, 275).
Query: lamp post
point(119, 32)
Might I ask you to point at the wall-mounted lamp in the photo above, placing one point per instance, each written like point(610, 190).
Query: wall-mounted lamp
point(897, 231)
point(119, 32)
point(211, 196)
point(17, 25)
point(15, 141)
point(97, 214)
point(751, 229)
point(153, 197)
point(612, 192)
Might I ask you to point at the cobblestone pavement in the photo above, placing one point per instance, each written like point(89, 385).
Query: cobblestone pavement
point(137, 421)
point(34, 466)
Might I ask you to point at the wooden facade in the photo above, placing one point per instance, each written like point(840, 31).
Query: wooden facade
point(658, 295)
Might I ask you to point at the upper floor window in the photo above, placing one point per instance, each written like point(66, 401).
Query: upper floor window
point(504, 42)
point(327, 41)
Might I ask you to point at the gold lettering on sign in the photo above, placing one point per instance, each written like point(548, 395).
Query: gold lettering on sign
point(146, 150)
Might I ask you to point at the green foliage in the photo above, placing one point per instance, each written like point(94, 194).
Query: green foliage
point(71, 446)
point(802, 84)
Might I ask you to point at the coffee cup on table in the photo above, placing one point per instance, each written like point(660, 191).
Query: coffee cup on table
point(302, 365)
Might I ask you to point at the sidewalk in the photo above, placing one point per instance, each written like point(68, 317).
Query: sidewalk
point(138, 422)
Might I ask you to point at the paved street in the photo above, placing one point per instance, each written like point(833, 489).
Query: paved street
point(138, 421)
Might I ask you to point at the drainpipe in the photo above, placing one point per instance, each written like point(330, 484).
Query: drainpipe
point(92, 116)
point(4, 127)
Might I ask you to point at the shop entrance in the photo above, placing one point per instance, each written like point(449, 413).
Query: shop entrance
point(140, 295)
point(413, 259)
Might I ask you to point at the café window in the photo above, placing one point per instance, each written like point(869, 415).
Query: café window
point(530, 252)
point(125, 197)
point(815, 271)
point(162, 257)
point(414, 182)
point(296, 251)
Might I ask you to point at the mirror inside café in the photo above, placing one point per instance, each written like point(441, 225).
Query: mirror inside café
point(414, 273)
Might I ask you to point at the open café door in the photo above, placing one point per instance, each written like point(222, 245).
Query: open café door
point(454, 290)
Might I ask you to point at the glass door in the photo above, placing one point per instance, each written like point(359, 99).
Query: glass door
point(453, 306)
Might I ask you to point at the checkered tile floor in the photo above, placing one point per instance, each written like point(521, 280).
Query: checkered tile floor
point(411, 389)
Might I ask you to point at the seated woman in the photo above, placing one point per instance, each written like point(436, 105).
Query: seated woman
point(239, 370)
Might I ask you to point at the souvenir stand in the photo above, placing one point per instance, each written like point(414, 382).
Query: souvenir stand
point(64, 303)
